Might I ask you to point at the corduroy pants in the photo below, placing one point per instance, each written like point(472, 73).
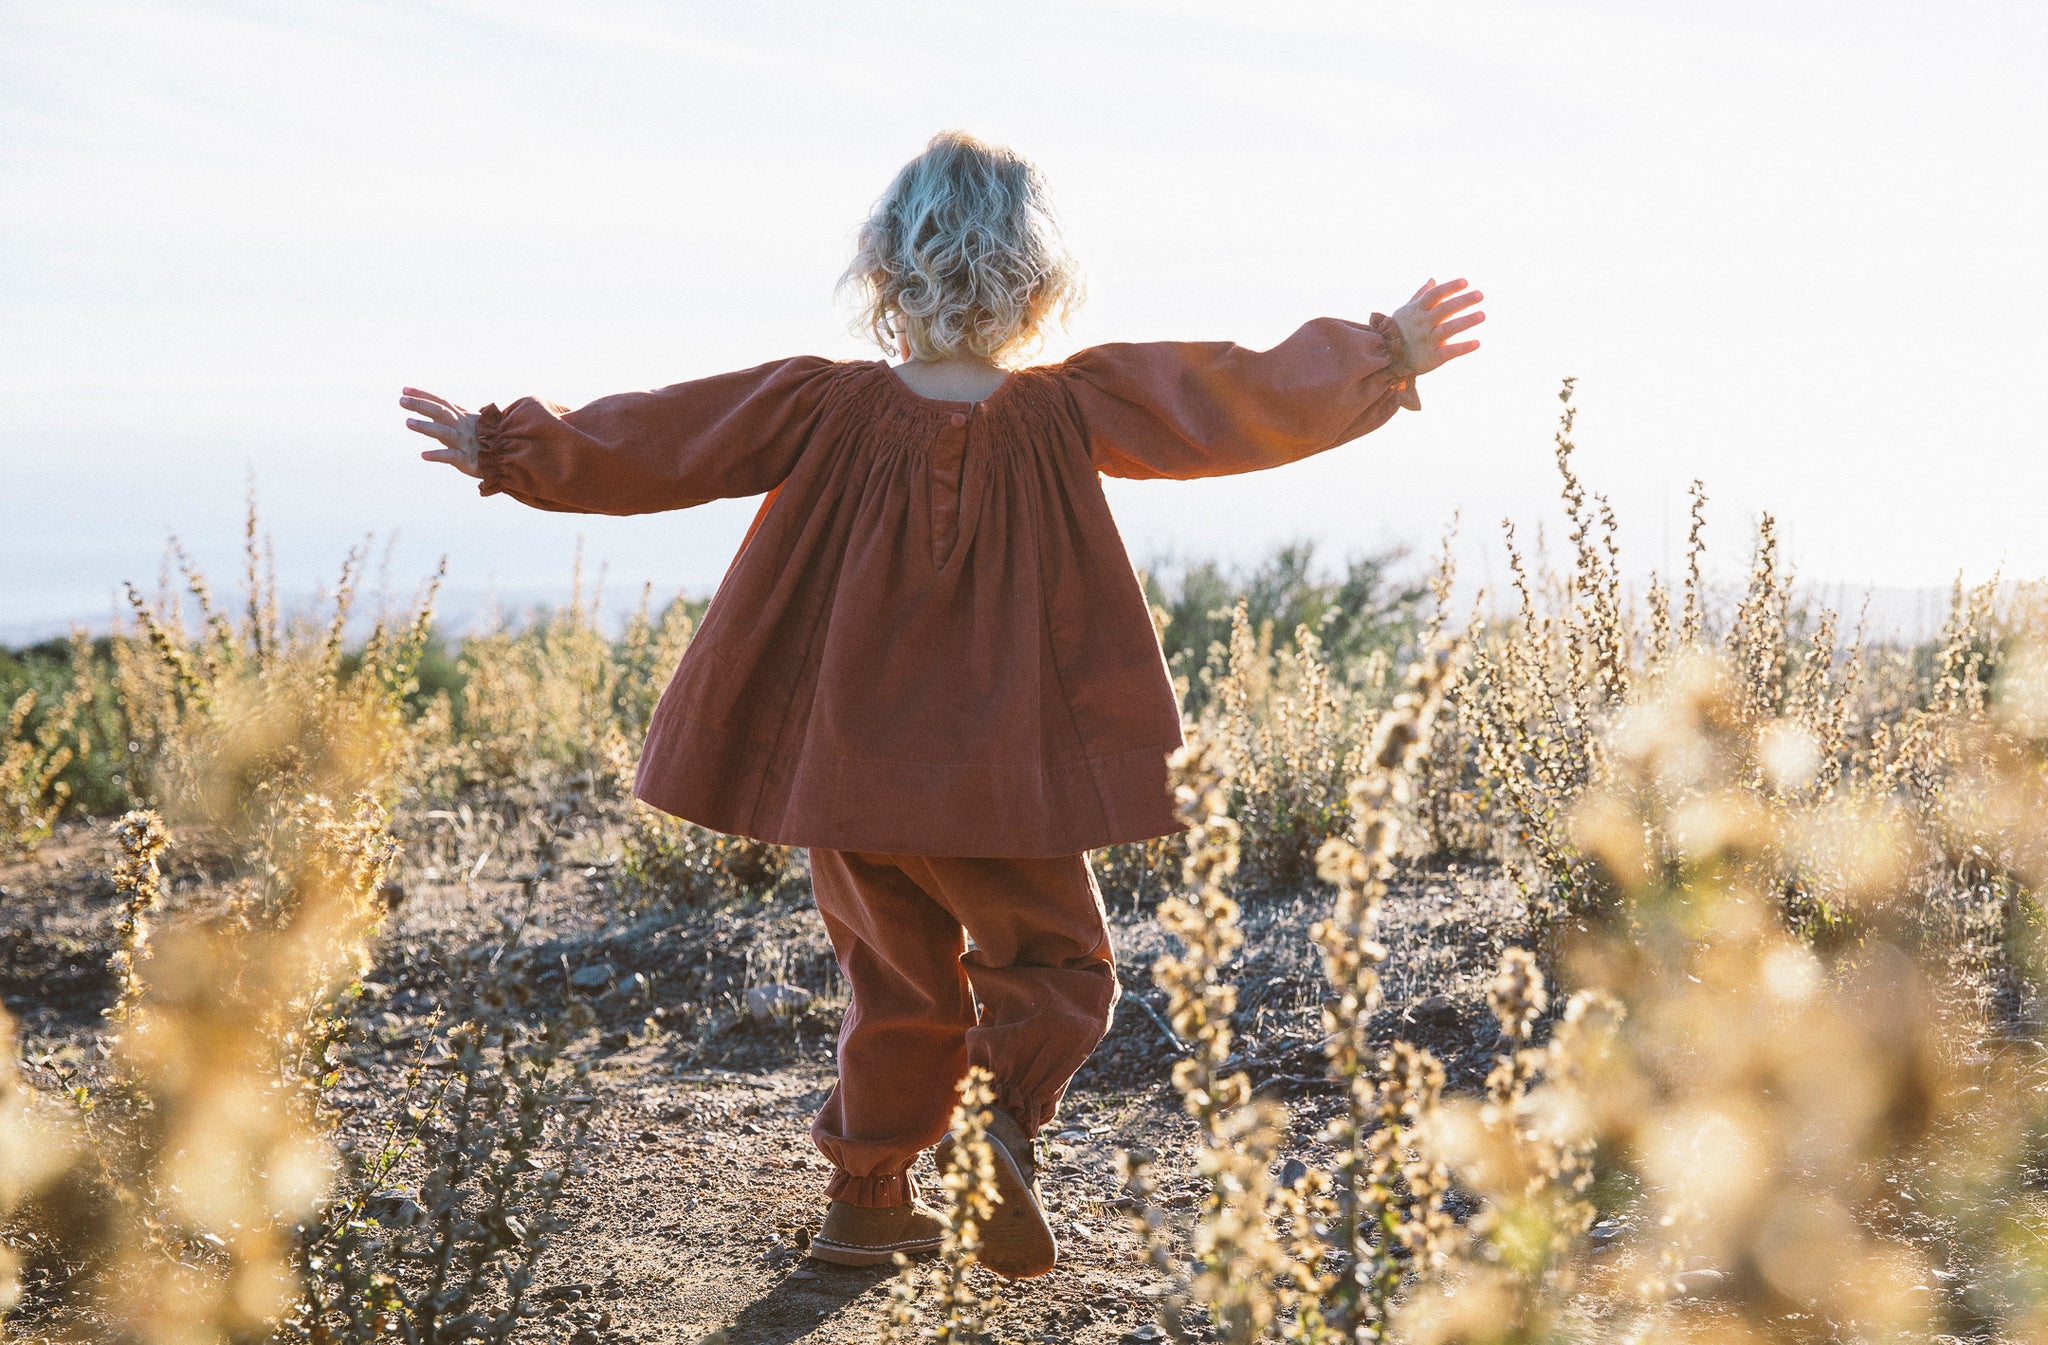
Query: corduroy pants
point(1028, 1002)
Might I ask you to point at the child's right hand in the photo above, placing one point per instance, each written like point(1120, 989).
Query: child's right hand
point(447, 422)
point(1425, 325)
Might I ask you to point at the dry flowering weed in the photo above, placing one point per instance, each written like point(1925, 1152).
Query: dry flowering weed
point(1235, 1254)
point(1385, 1202)
point(958, 1306)
point(1450, 792)
point(668, 862)
point(243, 731)
point(1525, 1150)
point(1317, 1258)
point(542, 738)
point(1543, 691)
point(540, 703)
point(1291, 737)
point(139, 878)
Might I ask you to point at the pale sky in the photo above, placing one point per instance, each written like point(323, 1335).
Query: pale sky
point(1792, 248)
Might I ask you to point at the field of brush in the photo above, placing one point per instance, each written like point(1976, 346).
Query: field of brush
point(1634, 967)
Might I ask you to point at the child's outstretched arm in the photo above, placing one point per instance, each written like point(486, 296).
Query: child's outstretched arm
point(726, 436)
point(1185, 409)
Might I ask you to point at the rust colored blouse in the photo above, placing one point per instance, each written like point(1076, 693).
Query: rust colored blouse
point(932, 640)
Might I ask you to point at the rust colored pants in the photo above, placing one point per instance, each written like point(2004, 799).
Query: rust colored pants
point(1041, 971)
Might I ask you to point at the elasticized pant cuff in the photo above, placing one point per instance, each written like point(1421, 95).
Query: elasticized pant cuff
point(1031, 1113)
point(877, 1191)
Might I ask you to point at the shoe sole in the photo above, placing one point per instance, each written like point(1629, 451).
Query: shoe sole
point(847, 1254)
point(1016, 1242)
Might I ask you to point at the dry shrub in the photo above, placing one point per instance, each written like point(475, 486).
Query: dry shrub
point(1295, 675)
point(551, 707)
point(539, 713)
point(667, 861)
point(664, 859)
point(237, 732)
point(1291, 740)
point(36, 752)
point(1542, 691)
point(447, 1208)
point(1448, 806)
point(542, 741)
point(1137, 874)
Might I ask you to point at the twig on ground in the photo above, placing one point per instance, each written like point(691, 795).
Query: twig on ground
point(1133, 997)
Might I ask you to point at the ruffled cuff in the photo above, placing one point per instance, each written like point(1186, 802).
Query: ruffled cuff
point(491, 451)
point(1401, 368)
point(1389, 331)
point(880, 1190)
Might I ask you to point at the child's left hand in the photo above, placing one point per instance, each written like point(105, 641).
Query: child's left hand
point(448, 423)
point(1426, 322)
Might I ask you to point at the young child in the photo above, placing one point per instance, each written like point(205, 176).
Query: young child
point(931, 662)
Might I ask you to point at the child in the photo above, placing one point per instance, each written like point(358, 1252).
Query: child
point(931, 661)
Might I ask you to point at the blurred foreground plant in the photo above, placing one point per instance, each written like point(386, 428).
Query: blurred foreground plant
point(202, 1148)
point(1785, 1118)
point(961, 1311)
point(1771, 1127)
point(1290, 739)
point(196, 1192)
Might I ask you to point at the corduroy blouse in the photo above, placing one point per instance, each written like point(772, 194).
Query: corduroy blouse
point(932, 640)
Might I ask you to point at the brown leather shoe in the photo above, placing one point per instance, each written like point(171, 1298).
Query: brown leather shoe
point(855, 1235)
point(1017, 1243)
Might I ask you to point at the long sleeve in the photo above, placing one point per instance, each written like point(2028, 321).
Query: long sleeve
point(1185, 409)
point(713, 438)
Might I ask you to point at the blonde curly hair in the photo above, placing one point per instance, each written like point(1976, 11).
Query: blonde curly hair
point(962, 255)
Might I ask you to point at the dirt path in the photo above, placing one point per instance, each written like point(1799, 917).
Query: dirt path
point(706, 1183)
